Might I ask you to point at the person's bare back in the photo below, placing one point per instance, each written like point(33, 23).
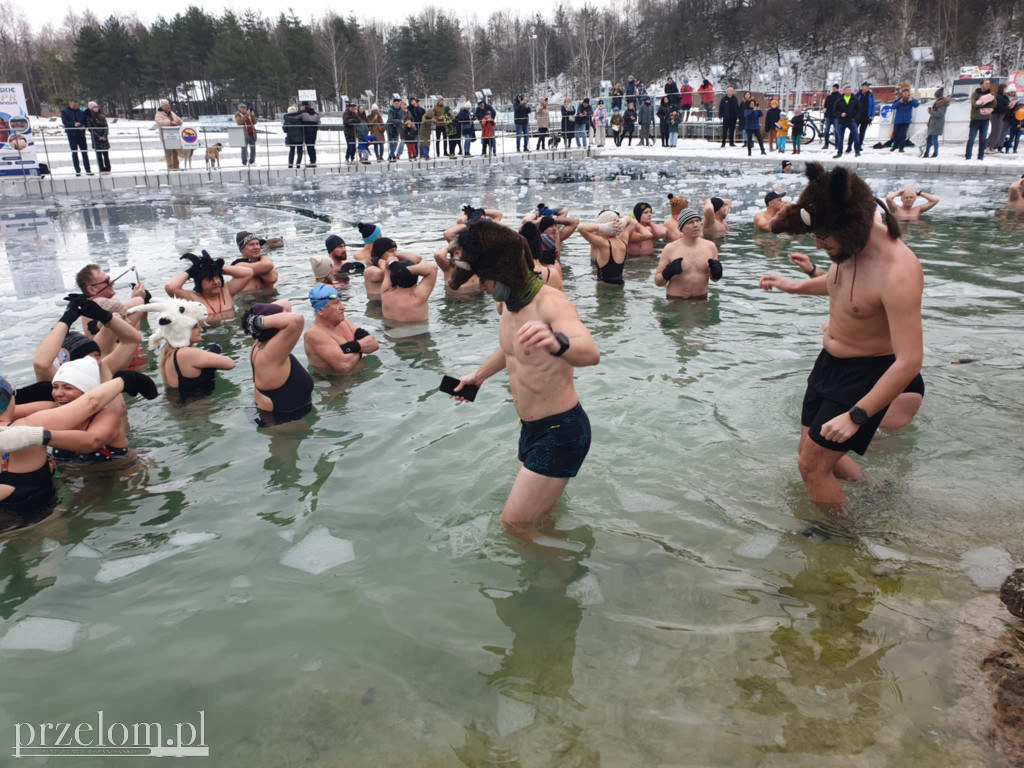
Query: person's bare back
point(402, 302)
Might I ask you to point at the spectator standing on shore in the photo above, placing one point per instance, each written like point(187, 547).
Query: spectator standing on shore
point(729, 111)
point(645, 116)
point(936, 121)
point(521, 118)
point(466, 128)
point(629, 123)
point(672, 91)
point(396, 116)
point(310, 128)
point(707, 98)
point(782, 132)
point(600, 123)
point(379, 132)
point(164, 118)
point(96, 122)
point(616, 125)
point(752, 127)
point(73, 119)
point(584, 114)
point(1016, 120)
point(437, 114)
point(292, 125)
point(846, 110)
point(410, 135)
point(452, 132)
point(770, 120)
point(417, 112)
point(664, 110)
point(543, 122)
point(997, 129)
point(487, 132)
point(482, 108)
point(617, 96)
point(830, 114)
point(865, 115)
point(246, 118)
point(568, 122)
point(631, 92)
point(903, 116)
point(686, 99)
point(982, 106)
point(675, 118)
point(426, 130)
point(797, 125)
point(350, 123)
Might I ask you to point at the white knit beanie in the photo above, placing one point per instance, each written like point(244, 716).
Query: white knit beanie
point(83, 374)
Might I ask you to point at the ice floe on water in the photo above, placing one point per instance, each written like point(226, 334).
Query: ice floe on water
point(319, 552)
point(40, 634)
point(469, 537)
point(85, 551)
point(190, 539)
point(585, 591)
point(758, 546)
point(882, 552)
point(112, 570)
point(513, 715)
point(987, 566)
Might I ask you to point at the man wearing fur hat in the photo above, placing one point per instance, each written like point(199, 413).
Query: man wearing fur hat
point(210, 288)
point(873, 346)
point(264, 276)
point(688, 263)
point(540, 341)
point(643, 234)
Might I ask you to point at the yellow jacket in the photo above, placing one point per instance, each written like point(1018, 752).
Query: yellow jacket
point(782, 127)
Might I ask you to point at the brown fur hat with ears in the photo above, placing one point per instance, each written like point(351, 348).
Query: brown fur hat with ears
point(837, 203)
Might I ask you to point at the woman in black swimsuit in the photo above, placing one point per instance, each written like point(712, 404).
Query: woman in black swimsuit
point(608, 238)
point(283, 387)
point(183, 366)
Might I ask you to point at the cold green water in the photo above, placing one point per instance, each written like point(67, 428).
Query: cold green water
point(676, 617)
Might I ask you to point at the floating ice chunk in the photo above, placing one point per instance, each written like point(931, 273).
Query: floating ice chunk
point(241, 582)
point(469, 537)
point(288, 536)
point(585, 591)
point(632, 658)
point(49, 545)
point(112, 570)
point(563, 544)
point(987, 566)
point(190, 539)
point(319, 552)
point(758, 546)
point(39, 634)
point(882, 552)
point(635, 501)
point(312, 666)
point(84, 550)
point(513, 715)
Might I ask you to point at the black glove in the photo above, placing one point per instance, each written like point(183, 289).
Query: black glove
point(353, 266)
point(191, 271)
point(41, 391)
point(674, 268)
point(94, 311)
point(252, 324)
point(93, 326)
point(716, 269)
point(72, 313)
point(215, 348)
point(136, 384)
point(361, 333)
point(240, 261)
point(468, 210)
point(351, 347)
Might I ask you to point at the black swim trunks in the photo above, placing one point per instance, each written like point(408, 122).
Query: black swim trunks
point(916, 386)
point(555, 446)
point(833, 388)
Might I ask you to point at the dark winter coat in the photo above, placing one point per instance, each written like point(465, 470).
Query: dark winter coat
point(521, 113)
point(903, 111)
point(752, 119)
point(830, 103)
point(69, 116)
point(584, 113)
point(628, 121)
point(664, 110)
point(851, 110)
point(672, 91)
point(797, 124)
point(310, 125)
point(293, 129)
point(646, 114)
point(349, 121)
point(867, 105)
point(568, 118)
point(396, 115)
point(465, 121)
point(771, 118)
point(729, 108)
point(482, 109)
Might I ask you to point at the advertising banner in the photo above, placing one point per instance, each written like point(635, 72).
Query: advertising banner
point(17, 146)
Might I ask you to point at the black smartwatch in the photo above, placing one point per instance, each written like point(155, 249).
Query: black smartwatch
point(563, 344)
point(858, 415)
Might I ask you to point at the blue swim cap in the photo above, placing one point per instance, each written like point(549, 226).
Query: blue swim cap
point(6, 394)
point(320, 295)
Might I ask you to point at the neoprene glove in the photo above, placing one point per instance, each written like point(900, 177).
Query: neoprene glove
point(72, 313)
point(252, 323)
point(18, 438)
point(215, 348)
point(195, 264)
point(351, 347)
point(41, 391)
point(136, 384)
point(353, 266)
point(674, 268)
point(361, 333)
point(94, 311)
point(716, 269)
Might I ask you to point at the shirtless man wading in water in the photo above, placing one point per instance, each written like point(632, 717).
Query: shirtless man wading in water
point(873, 346)
point(686, 264)
point(906, 211)
point(644, 232)
point(540, 341)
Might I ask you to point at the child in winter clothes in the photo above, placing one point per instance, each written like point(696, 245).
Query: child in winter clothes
point(674, 121)
point(426, 131)
point(487, 132)
point(411, 137)
point(782, 131)
point(798, 129)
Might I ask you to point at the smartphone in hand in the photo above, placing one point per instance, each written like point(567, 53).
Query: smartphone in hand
point(449, 383)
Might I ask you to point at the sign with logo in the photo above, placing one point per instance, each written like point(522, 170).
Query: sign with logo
point(100, 739)
point(885, 113)
point(17, 146)
point(976, 72)
point(189, 137)
point(309, 96)
point(1017, 78)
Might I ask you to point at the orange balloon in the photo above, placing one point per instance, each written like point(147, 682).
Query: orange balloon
point(1019, 114)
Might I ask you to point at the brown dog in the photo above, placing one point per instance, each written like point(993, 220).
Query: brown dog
point(213, 156)
point(185, 158)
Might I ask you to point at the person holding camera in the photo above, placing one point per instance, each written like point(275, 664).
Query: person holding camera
point(752, 126)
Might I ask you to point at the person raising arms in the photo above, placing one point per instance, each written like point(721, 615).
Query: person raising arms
point(210, 288)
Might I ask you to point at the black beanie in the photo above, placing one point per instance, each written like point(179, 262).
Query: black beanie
point(332, 242)
point(381, 246)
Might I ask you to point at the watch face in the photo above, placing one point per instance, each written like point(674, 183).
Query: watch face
point(858, 415)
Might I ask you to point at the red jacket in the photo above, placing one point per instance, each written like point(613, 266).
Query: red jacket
point(707, 95)
point(686, 96)
point(488, 127)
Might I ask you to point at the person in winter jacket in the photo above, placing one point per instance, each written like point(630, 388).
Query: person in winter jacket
point(568, 122)
point(164, 118)
point(752, 127)
point(865, 115)
point(903, 116)
point(616, 126)
point(617, 93)
point(543, 122)
point(797, 124)
point(629, 123)
point(396, 118)
point(1015, 118)
point(426, 129)
point(247, 118)
point(521, 119)
point(936, 122)
point(997, 126)
point(846, 109)
point(466, 128)
point(487, 125)
point(982, 106)
point(584, 113)
point(686, 99)
point(770, 120)
point(672, 91)
point(293, 136)
point(310, 128)
point(707, 98)
point(782, 132)
point(437, 113)
point(675, 119)
point(645, 116)
point(96, 122)
point(631, 92)
point(482, 108)
point(600, 123)
point(379, 132)
point(830, 113)
point(452, 133)
point(410, 134)
point(664, 110)
point(350, 127)
point(729, 111)
point(73, 119)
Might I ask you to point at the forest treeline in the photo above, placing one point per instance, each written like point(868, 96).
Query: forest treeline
point(120, 62)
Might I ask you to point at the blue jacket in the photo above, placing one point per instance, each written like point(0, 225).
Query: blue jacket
point(867, 105)
point(70, 116)
point(752, 119)
point(904, 111)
